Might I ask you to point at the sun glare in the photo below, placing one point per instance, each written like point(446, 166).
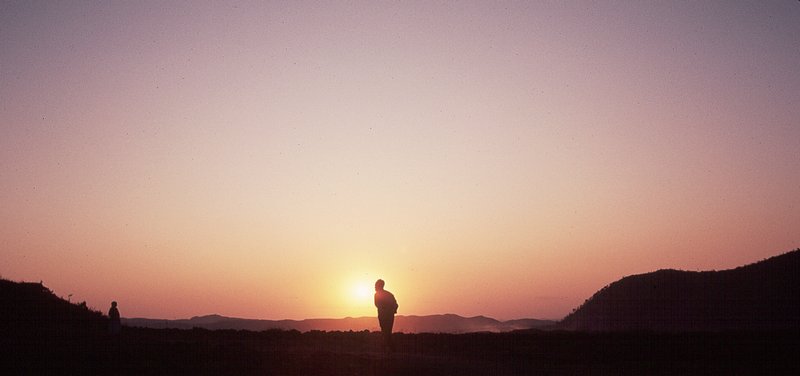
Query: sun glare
point(361, 291)
point(356, 294)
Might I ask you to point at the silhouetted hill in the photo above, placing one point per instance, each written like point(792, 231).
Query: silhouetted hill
point(760, 296)
point(407, 324)
point(32, 309)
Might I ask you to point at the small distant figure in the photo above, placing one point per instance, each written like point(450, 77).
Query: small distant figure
point(114, 324)
point(387, 308)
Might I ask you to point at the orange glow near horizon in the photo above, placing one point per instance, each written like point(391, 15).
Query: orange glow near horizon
point(273, 160)
point(361, 292)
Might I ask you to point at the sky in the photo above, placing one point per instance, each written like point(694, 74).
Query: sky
point(273, 159)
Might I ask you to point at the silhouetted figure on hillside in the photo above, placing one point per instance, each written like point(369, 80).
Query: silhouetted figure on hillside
point(387, 307)
point(114, 324)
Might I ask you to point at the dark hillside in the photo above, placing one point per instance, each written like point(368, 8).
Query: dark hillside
point(32, 309)
point(42, 333)
point(756, 297)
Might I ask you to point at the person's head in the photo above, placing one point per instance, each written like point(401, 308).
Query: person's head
point(113, 304)
point(379, 284)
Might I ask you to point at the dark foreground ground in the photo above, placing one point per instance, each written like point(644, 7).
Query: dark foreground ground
point(172, 351)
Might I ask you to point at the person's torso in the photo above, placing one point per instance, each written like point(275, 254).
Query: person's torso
point(385, 301)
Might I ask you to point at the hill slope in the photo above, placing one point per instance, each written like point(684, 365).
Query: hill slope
point(32, 309)
point(760, 296)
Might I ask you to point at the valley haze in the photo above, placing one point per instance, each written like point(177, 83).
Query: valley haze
point(448, 323)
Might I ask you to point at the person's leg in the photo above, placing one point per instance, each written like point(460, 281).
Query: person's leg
point(388, 332)
point(387, 322)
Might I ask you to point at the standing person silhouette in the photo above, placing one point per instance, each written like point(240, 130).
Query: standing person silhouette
point(387, 307)
point(114, 324)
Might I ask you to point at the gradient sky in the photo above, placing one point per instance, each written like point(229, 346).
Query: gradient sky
point(264, 160)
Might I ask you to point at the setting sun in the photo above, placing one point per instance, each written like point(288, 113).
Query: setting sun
point(357, 296)
point(361, 291)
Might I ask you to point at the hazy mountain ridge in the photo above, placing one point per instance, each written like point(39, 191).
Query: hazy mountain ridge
point(760, 296)
point(446, 323)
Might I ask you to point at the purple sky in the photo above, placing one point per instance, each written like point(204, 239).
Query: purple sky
point(507, 159)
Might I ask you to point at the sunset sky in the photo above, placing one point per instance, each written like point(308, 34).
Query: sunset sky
point(272, 159)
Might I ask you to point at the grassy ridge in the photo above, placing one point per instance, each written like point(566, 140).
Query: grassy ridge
point(201, 351)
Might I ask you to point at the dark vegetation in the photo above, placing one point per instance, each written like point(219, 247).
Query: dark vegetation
point(762, 296)
point(201, 351)
point(43, 334)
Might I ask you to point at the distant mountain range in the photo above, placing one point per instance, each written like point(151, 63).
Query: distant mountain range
point(760, 296)
point(33, 308)
point(448, 323)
